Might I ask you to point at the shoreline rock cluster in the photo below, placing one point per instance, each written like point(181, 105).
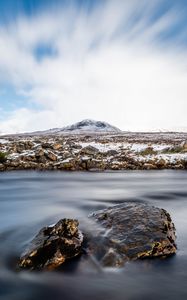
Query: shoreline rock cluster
point(121, 233)
point(93, 152)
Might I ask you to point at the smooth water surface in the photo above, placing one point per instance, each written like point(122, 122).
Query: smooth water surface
point(30, 200)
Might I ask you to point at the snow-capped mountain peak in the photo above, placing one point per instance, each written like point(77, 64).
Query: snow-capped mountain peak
point(89, 125)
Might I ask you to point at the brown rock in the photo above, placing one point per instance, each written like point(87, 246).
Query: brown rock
point(57, 146)
point(161, 163)
point(46, 145)
point(39, 152)
point(149, 166)
point(52, 246)
point(51, 155)
point(13, 163)
point(42, 159)
point(68, 164)
point(184, 145)
point(2, 167)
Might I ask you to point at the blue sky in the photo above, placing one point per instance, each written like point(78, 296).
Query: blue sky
point(124, 62)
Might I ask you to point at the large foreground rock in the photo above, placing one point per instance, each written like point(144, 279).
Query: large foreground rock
point(130, 231)
point(53, 245)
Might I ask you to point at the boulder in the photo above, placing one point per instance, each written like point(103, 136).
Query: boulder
point(161, 163)
point(149, 166)
point(96, 164)
point(51, 155)
point(67, 164)
point(14, 163)
point(42, 159)
point(112, 152)
point(52, 246)
point(57, 146)
point(130, 231)
point(39, 152)
point(184, 145)
point(30, 144)
point(20, 147)
point(89, 150)
point(66, 154)
point(2, 167)
point(46, 145)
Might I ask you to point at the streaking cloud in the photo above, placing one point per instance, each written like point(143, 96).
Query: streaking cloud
point(123, 62)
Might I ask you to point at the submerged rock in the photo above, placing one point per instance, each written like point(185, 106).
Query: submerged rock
point(130, 231)
point(53, 245)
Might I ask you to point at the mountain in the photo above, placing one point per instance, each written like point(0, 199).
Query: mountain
point(88, 125)
point(85, 126)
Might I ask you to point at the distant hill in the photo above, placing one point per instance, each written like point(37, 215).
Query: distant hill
point(84, 126)
point(91, 126)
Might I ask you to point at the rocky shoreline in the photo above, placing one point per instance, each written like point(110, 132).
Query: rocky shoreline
point(82, 152)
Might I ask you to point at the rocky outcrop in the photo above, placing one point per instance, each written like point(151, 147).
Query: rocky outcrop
point(130, 231)
point(52, 246)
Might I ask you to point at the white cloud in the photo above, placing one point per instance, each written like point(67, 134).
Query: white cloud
point(102, 71)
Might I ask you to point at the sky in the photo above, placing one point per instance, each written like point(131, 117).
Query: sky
point(119, 61)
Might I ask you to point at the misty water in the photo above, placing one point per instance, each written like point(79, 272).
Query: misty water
point(30, 200)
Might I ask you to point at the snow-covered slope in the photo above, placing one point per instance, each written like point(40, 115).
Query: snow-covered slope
point(90, 126)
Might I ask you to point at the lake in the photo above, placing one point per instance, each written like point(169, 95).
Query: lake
point(30, 200)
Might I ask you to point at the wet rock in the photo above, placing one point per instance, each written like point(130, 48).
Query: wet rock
point(130, 231)
point(67, 164)
point(96, 164)
point(14, 163)
point(52, 246)
point(183, 163)
point(85, 162)
point(2, 167)
point(161, 163)
point(150, 166)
